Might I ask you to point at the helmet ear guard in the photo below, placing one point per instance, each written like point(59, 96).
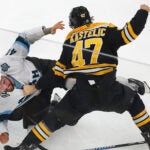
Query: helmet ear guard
point(79, 16)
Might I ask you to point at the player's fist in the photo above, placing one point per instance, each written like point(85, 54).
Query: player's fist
point(145, 7)
point(4, 137)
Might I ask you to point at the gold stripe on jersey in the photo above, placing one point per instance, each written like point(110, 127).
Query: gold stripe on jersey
point(58, 73)
point(124, 37)
point(138, 120)
point(131, 31)
point(140, 114)
point(41, 132)
point(38, 135)
point(142, 118)
point(92, 66)
point(93, 69)
point(45, 129)
point(144, 122)
point(111, 25)
point(60, 65)
point(58, 69)
point(128, 33)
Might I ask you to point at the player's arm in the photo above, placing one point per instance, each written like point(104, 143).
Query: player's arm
point(22, 43)
point(37, 33)
point(5, 115)
point(47, 82)
point(131, 30)
point(64, 61)
point(14, 115)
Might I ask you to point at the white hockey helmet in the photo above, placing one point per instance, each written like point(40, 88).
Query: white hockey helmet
point(2, 74)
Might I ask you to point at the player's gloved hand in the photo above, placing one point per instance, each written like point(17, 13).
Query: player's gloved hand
point(70, 82)
point(145, 7)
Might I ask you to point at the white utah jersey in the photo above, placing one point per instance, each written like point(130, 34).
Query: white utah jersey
point(14, 63)
point(15, 66)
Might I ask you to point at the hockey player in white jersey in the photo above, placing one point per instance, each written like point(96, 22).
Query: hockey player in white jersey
point(16, 70)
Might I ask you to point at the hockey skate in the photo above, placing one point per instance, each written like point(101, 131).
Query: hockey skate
point(140, 87)
point(20, 147)
point(146, 136)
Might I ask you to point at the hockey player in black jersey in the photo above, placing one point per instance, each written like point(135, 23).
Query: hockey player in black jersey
point(96, 87)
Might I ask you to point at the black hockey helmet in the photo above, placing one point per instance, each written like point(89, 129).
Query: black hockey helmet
point(79, 16)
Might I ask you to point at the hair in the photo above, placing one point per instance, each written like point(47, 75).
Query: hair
point(79, 16)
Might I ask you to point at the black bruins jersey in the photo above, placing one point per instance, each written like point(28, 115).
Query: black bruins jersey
point(92, 49)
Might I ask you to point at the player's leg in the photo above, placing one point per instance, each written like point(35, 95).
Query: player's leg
point(140, 117)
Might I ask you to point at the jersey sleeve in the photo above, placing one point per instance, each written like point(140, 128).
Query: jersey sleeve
point(22, 43)
point(49, 81)
point(3, 127)
point(3, 123)
point(62, 63)
point(129, 32)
